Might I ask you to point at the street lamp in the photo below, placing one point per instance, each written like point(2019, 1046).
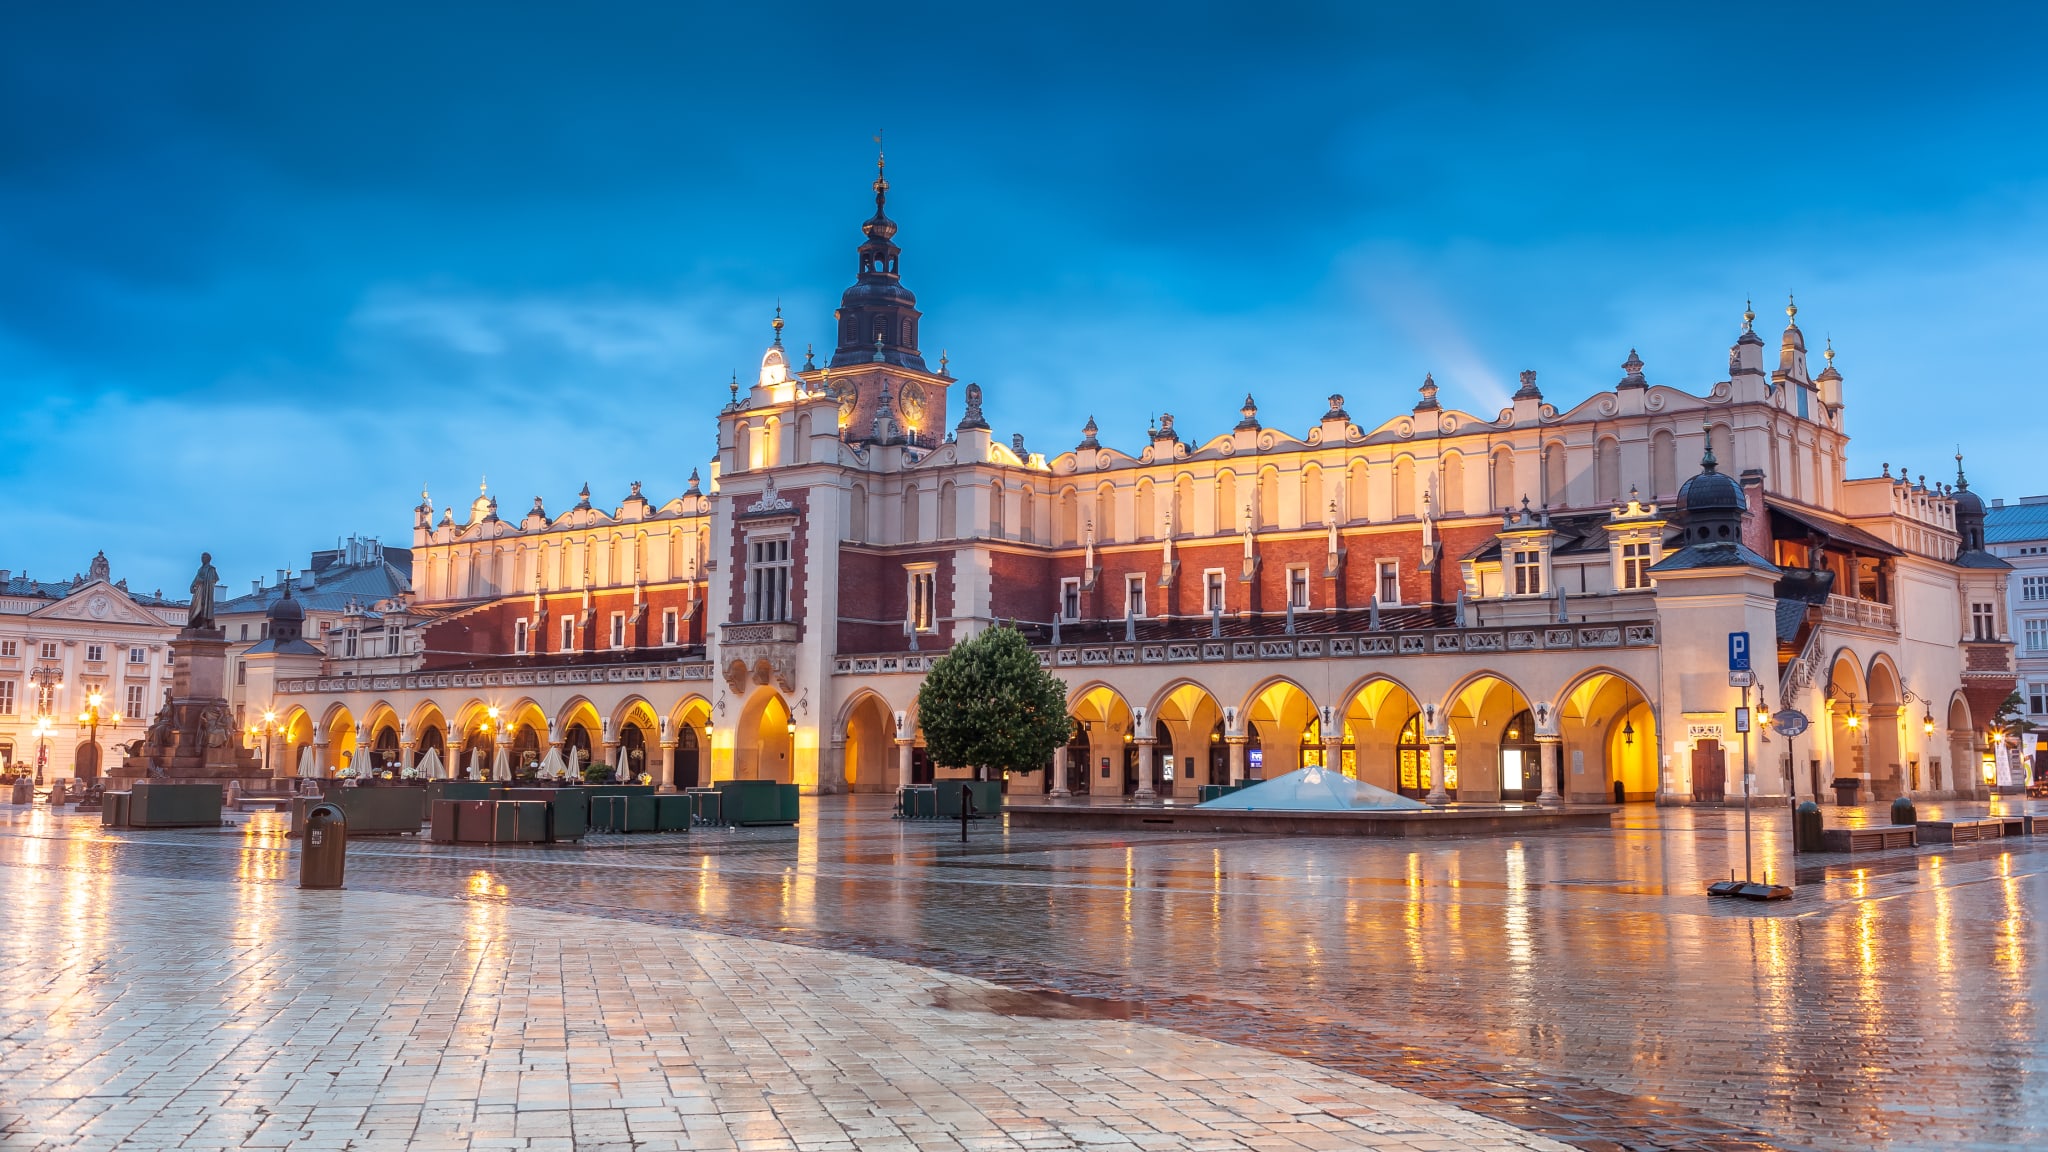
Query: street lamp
point(268, 729)
point(90, 719)
point(42, 746)
point(49, 680)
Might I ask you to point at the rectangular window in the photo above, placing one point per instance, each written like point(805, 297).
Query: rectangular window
point(1212, 590)
point(135, 704)
point(1635, 566)
point(668, 626)
point(138, 655)
point(1070, 599)
point(568, 633)
point(768, 579)
point(924, 600)
point(1390, 582)
point(519, 637)
point(1297, 587)
point(1984, 624)
point(2037, 699)
point(245, 631)
point(618, 629)
point(8, 648)
point(49, 650)
point(1134, 594)
point(241, 671)
point(2037, 636)
point(46, 699)
point(95, 653)
point(1528, 566)
point(2034, 587)
point(348, 643)
point(6, 697)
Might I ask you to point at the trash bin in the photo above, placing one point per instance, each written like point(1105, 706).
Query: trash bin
point(326, 847)
point(1903, 812)
point(1806, 828)
point(1845, 791)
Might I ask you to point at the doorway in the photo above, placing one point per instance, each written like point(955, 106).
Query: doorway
point(1709, 772)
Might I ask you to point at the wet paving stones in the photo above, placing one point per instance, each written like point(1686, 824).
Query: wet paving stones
point(1578, 985)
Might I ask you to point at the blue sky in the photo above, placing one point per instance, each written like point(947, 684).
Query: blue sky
point(265, 271)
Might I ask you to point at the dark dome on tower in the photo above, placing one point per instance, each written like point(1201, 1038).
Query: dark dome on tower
point(1711, 504)
point(287, 617)
point(877, 315)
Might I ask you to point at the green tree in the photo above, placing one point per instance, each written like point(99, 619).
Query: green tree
point(2012, 715)
point(988, 705)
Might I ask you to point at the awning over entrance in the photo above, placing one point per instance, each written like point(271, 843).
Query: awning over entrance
point(1789, 519)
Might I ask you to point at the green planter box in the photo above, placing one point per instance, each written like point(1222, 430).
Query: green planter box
point(568, 809)
point(369, 811)
point(672, 813)
point(153, 805)
point(521, 822)
point(988, 797)
point(920, 802)
point(706, 805)
point(751, 803)
point(633, 813)
point(114, 810)
point(460, 790)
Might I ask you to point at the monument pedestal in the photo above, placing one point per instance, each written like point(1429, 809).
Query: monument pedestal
point(194, 735)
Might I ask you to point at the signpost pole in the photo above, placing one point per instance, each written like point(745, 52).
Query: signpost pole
point(1748, 873)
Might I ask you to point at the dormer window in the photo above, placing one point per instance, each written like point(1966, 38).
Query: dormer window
point(1527, 564)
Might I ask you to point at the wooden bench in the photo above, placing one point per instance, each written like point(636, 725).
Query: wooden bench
point(1870, 838)
point(1968, 831)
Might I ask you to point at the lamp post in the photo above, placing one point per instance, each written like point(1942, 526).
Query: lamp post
point(49, 680)
point(268, 729)
point(90, 720)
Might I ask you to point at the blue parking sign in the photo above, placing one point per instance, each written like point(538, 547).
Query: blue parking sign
point(1738, 651)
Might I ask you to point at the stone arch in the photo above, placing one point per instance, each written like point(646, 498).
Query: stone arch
point(868, 756)
point(1376, 710)
point(1226, 501)
point(1481, 712)
point(689, 727)
point(763, 747)
point(1269, 498)
point(1608, 733)
point(949, 510)
point(1187, 729)
point(1356, 493)
point(1663, 464)
point(429, 729)
point(1312, 510)
point(1964, 771)
point(1278, 718)
point(1104, 517)
point(1884, 742)
point(1104, 726)
point(1556, 483)
point(1144, 520)
point(1069, 531)
point(1607, 470)
point(1501, 476)
point(1404, 486)
point(1848, 706)
point(338, 735)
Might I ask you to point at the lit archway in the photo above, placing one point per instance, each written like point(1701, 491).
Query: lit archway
point(1495, 752)
point(1109, 763)
point(1375, 750)
point(1607, 735)
point(764, 740)
point(869, 752)
point(1187, 723)
point(1278, 719)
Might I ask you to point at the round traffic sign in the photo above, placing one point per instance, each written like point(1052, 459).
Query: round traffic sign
point(1790, 722)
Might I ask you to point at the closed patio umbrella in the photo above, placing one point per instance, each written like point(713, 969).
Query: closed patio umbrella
point(475, 769)
point(619, 773)
point(308, 770)
point(501, 765)
point(551, 767)
point(430, 767)
point(576, 764)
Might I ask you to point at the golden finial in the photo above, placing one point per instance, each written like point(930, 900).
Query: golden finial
point(1791, 309)
point(881, 162)
point(777, 324)
point(1829, 354)
point(1748, 316)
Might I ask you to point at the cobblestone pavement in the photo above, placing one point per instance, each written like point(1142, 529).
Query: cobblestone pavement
point(261, 1016)
point(1577, 984)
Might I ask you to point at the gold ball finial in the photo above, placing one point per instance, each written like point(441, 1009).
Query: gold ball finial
point(1791, 308)
point(1748, 315)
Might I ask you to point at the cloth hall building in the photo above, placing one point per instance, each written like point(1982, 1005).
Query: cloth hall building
point(1533, 603)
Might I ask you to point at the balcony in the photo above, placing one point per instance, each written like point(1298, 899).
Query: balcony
point(761, 632)
point(1860, 614)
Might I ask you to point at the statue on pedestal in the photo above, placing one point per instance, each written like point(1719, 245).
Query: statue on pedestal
point(201, 613)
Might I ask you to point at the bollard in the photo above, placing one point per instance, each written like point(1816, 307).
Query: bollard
point(1903, 813)
point(966, 810)
point(1806, 827)
point(324, 851)
point(24, 790)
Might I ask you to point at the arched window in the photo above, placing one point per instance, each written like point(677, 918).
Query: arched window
point(1404, 487)
point(1183, 502)
point(742, 446)
point(1504, 478)
point(1105, 514)
point(913, 515)
point(1664, 464)
point(1607, 470)
point(1355, 492)
point(1269, 498)
point(1144, 526)
point(1722, 438)
point(1554, 493)
point(995, 509)
point(1414, 761)
point(1027, 516)
point(1452, 498)
point(1226, 502)
point(1312, 495)
point(1070, 517)
point(857, 514)
point(948, 511)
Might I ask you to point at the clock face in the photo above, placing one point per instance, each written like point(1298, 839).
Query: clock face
point(98, 605)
